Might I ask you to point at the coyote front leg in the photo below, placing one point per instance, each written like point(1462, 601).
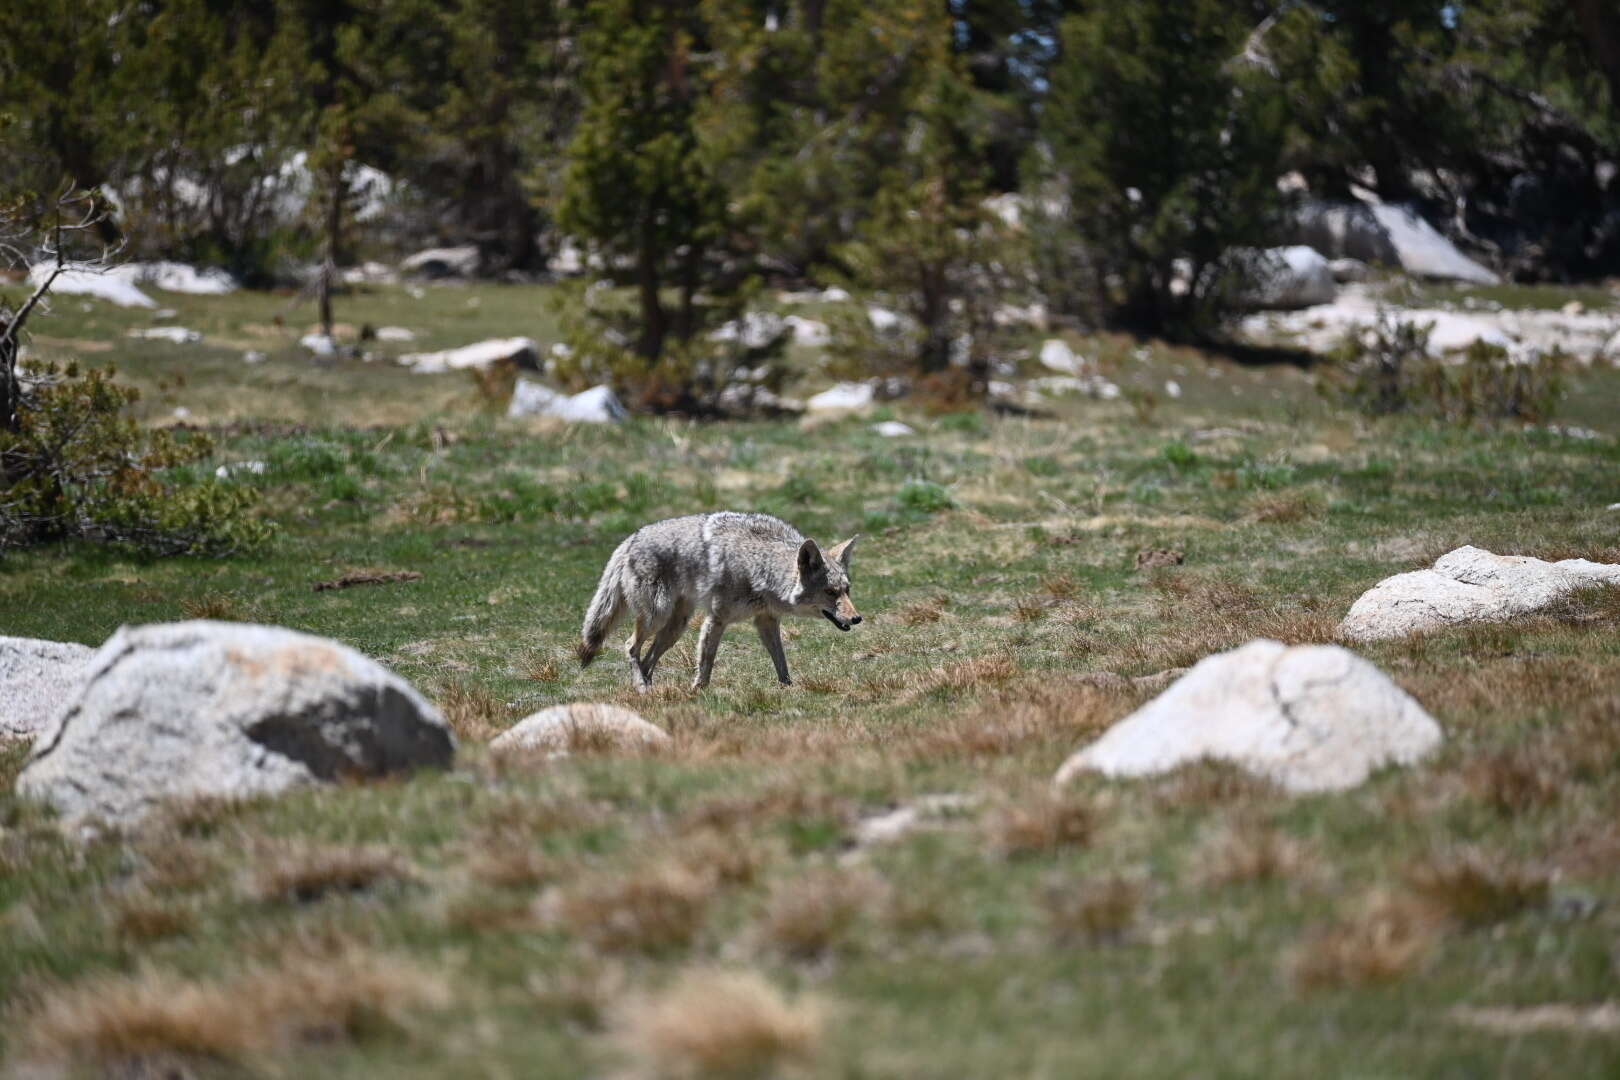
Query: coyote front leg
point(770, 636)
point(708, 646)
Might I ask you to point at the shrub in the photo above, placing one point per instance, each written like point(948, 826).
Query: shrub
point(925, 496)
point(1388, 368)
point(76, 465)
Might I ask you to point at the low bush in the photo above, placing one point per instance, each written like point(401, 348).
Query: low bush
point(1389, 368)
point(77, 465)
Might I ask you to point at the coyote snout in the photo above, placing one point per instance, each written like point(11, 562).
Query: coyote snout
point(729, 567)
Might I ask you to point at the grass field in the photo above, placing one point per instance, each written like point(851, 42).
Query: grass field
point(599, 914)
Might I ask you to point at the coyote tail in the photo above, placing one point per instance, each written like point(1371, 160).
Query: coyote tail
point(607, 606)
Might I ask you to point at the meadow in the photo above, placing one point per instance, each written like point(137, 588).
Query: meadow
point(709, 909)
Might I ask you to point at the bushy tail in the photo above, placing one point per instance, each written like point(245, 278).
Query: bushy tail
point(607, 606)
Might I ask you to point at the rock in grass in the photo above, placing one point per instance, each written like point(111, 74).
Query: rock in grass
point(598, 405)
point(1306, 717)
point(562, 728)
point(36, 680)
point(1468, 585)
point(225, 710)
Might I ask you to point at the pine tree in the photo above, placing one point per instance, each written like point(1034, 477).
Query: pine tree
point(1165, 153)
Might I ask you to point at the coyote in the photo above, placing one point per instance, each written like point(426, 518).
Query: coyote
point(727, 565)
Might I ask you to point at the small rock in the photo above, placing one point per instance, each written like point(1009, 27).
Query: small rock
point(885, 321)
point(179, 335)
point(833, 295)
point(1172, 389)
point(921, 812)
point(598, 405)
point(36, 680)
point(893, 429)
point(1307, 717)
point(1287, 277)
point(319, 344)
point(521, 351)
point(255, 468)
point(224, 710)
point(395, 333)
point(1468, 585)
point(1574, 307)
point(181, 413)
point(254, 356)
point(1348, 271)
point(443, 262)
point(562, 728)
point(809, 332)
point(162, 314)
point(842, 396)
point(1056, 356)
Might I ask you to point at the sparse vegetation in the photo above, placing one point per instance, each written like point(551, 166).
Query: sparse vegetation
point(542, 897)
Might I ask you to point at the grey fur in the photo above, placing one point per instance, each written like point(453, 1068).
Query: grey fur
point(728, 567)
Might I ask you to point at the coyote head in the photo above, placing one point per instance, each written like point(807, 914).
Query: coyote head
point(824, 583)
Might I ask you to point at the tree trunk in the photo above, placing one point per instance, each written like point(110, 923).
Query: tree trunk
point(1600, 27)
point(9, 394)
point(329, 254)
point(654, 322)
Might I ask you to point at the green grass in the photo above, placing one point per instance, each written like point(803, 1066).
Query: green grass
point(1019, 938)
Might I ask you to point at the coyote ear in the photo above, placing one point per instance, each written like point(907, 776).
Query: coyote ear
point(809, 558)
point(841, 552)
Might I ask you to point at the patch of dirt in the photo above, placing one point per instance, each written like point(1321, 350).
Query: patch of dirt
point(368, 577)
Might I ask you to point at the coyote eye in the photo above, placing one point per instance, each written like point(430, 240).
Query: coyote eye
point(832, 593)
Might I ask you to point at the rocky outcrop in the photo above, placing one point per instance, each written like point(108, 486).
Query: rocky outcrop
point(1286, 278)
point(1468, 585)
point(36, 680)
point(224, 710)
point(1307, 717)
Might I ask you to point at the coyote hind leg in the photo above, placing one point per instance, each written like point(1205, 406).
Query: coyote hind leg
point(668, 634)
point(640, 675)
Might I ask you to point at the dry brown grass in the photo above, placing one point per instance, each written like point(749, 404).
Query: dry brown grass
point(503, 865)
point(540, 666)
point(1213, 783)
point(177, 867)
point(473, 712)
point(1042, 824)
point(1388, 937)
point(653, 908)
point(140, 917)
point(923, 612)
point(1061, 586)
point(117, 1022)
point(1058, 713)
point(1469, 888)
point(581, 992)
point(727, 857)
point(960, 677)
point(303, 874)
point(814, 913)
point(717, 1023)
point(1245, 851)
point(212, 605)
point(1095, 911)
point(1517, 780)
point(1030, 607)
point(1283, 507)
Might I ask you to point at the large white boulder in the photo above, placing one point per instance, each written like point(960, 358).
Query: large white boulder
point(225, 710)
point(1307, 717)
point(1468, 585)
point(1287, 277)
point(598, 405)
point(521, 351)
point(562, 728)
point(36, 680)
